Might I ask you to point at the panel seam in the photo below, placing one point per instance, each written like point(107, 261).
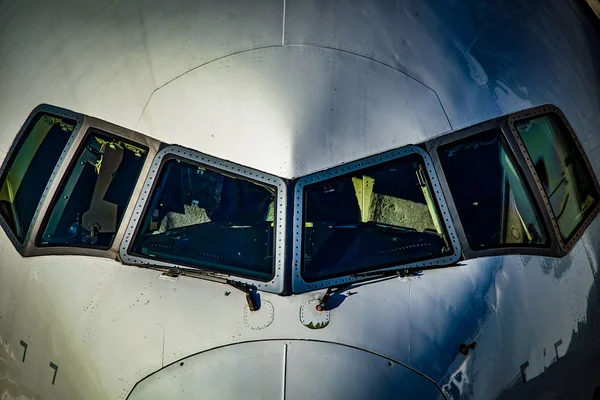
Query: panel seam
point(283, 26)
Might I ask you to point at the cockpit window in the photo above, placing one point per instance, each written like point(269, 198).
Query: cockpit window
point(26, 175)
point(200, 217)
point(494, 205)
point(379, 216)
point(89, 206)
point(561, 170)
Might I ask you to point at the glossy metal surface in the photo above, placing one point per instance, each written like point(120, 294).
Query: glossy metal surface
point(296, 107)
point(107, 326)
point(286, 369)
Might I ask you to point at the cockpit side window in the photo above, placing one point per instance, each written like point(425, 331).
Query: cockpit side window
point(494, 205)
point(561, 171)
point(89, 206)
point(30, 168)
point(198, 216)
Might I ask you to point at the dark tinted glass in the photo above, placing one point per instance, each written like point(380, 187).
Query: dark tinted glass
point(90, 204)
point(561, 170)
point(494, 206)
point(204, 218)
point(28, 172)
point(380, 216)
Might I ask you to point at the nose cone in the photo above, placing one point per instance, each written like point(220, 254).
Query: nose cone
point(285, 370)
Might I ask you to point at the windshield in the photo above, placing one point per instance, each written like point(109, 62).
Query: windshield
point(90, 204)
point(377, 217)
point(561, 170)
point(494, 206)
point(204, 218)
point(29, 170)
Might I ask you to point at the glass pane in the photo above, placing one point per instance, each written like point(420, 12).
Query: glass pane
point(204, 218)
point(561, 170)
point(91, 202)
point(493, 204)
point(29, 170)
point(380, 216)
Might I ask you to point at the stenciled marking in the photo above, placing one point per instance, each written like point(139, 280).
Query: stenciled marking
point(55, 368)
point(556, 348)
point(523, 368)
point(22, 343)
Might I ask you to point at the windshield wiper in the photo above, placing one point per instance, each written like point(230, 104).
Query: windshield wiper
point(400, 272)
point(371, 224)
point(253, 305)
point(392, 227)
point(175, 272)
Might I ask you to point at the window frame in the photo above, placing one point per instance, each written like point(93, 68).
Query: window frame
point(89, 124)
point(88, 132)
point(565, 246)
point(500, 124)
point(13, 151)
point(300, 285)
point(276, 284)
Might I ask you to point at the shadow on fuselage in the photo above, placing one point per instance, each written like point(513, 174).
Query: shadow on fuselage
point(576, 375)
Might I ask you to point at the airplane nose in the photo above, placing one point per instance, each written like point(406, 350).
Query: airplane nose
point(285, 369)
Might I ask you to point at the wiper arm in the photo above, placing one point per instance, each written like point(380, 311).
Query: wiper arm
point(175, 272)
point(252, 304)
point(322, 306)
point(369, 224)
point(400, 272)
point(393, 227)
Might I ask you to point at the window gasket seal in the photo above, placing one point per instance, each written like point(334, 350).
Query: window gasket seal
point(500, 123)
point(40, 109)
point(299, 285)
point(565, 246)
point(276, 284)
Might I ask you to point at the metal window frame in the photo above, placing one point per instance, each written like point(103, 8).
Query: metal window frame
point(276, 284)
point(537, 112)
point(500, 124)
point(41, 109)
point(299, 285)
point(90, 126)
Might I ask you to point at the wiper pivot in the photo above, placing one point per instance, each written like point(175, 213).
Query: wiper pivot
point(322, 306)
point(253, 305)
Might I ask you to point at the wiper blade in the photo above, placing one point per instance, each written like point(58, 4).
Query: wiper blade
point(175, 272)
point(393, 227)
point(344, 226)
point(371, 224)
point(400, 272)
